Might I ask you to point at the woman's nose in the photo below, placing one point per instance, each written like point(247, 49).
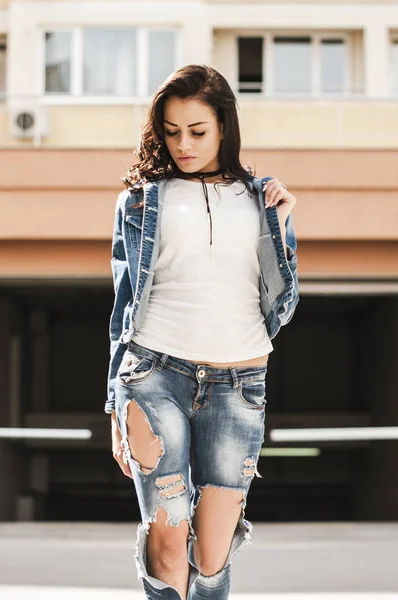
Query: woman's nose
point(184, 143)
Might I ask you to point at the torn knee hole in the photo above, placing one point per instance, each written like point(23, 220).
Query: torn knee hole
point(171, 486)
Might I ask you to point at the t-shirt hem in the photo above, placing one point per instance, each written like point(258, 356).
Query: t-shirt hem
point(193, 356)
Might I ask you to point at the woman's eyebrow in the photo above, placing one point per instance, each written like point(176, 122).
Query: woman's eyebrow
point(191, 125)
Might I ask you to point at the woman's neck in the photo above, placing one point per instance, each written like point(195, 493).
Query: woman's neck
point(205, 175)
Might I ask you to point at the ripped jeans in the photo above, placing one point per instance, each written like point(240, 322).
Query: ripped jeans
point(210, 423)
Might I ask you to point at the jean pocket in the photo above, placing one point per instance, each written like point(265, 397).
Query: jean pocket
point(252, 394)
point(135, 368)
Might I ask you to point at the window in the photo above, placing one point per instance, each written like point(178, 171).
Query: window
point(250, 64)
point(161, 57)
point(395, 66)
point(293, 64)
point(108, 62)
point(3, 56)
point(334, 60)
point(58, 58)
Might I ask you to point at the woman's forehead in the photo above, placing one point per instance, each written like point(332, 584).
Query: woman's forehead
point(186, 111)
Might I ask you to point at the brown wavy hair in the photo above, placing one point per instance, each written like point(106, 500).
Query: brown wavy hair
point(201, 83)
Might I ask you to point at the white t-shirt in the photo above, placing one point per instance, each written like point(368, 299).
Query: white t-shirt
point(205, 304)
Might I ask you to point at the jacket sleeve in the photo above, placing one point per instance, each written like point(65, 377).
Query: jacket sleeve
point(123, 294)
point(291, 248)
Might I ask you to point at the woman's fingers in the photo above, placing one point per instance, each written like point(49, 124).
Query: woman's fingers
point(118, 448)
point(125, 467)
point(270, 191)
point(273, 197)
point(275, 192)
point(127, 471)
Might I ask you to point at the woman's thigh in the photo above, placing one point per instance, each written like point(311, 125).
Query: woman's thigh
point(156, 437)
point(227, 429)
point(227, 433)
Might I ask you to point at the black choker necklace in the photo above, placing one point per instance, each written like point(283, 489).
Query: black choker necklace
point(202, 176)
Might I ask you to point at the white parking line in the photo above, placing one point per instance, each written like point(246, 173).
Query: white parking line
point(33, 592)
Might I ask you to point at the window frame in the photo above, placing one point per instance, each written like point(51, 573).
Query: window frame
point(268, 64)
point(76, 94)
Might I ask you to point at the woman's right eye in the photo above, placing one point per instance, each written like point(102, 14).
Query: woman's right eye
point(171, 133)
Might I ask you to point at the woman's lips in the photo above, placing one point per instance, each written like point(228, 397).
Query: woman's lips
point(186, 158)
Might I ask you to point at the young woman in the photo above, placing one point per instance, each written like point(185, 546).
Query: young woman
point(205, 274)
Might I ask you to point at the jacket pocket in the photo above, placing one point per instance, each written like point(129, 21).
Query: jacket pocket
point(135, 218)
point(134, 227)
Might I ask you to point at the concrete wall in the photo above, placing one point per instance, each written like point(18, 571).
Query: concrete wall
point(346, 218)
point(264, 124)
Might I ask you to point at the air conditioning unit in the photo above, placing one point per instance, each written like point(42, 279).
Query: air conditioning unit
point(28, 122)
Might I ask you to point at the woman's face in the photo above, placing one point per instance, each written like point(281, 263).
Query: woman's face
point(192, 134)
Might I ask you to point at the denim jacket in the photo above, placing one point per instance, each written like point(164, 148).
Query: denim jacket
point(135, 249)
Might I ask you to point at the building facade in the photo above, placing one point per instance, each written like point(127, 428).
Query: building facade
point(317, 88)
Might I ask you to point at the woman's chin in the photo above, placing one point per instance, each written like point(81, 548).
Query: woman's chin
point(187, 166)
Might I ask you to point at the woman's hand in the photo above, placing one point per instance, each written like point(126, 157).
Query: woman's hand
point(117, 447)
point(276, 194)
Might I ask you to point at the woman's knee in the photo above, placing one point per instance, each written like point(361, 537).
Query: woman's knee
point(208, 564)
point(215, 521)
point(167, 544)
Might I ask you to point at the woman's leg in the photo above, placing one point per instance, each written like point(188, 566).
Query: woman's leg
point(214, 523)
point(167, 558)
point(226, 437)
point(156, 438)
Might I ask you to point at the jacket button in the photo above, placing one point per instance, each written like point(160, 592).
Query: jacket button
point(280, 264)
point(273, 237)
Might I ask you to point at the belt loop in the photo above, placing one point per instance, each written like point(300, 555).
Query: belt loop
point(162, 361)
point(234, 378)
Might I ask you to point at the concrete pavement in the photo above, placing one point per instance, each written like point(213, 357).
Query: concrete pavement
point(50, 593)
point(289, 561)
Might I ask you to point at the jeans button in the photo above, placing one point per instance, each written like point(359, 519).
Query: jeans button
point(202, 373)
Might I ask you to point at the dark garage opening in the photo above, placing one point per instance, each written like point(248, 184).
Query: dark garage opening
point(333, 365)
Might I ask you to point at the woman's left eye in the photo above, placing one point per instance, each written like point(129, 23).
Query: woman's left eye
point(197, 134)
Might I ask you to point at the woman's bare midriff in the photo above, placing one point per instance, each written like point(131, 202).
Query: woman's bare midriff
point(252, 362)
